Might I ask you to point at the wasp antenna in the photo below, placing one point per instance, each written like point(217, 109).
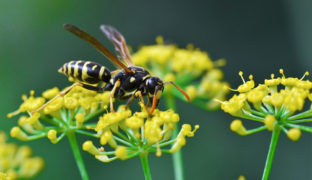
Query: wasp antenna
point(67, 26)
point(180, 89)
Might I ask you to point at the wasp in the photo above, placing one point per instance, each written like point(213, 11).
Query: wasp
point(126, 83)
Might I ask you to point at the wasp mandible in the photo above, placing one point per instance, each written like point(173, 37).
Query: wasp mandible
point(127, 82)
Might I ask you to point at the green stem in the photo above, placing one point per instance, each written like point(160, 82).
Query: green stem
point(252, 131)
point(76, 150)
point(270, 157)
point(145, 165)
point(303, 128)
point(177, 157)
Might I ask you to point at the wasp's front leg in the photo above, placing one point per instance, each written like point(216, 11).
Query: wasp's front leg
point(111, 95)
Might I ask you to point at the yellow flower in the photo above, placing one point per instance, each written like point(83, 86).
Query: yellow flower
point(135, 134)
point(190, 68)
point(71, 112)
point(238, 127)
point(274, 103)
point(17, 162)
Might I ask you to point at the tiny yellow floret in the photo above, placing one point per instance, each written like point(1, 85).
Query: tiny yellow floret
point(269, 121)
point(90, 148)
point(51, 93)
point(17, 133)
point(294, 134)
point(238, 127)
point(71, 102)
point(52, 136)
point(121, 152)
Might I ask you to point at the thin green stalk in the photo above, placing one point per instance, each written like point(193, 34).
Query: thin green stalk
point(177, 157)
point(145, 166)
point(76, 150)
point(304, 114)
point(303, 128)
point(270, 157)
point(258, 129)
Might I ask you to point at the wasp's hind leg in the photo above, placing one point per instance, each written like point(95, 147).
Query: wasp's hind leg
point(62, 93)
point(65, 91)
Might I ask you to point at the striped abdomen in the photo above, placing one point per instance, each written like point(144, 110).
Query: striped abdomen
point(86, 71)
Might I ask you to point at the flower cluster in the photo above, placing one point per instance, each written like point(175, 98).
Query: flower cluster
point(129, 135)
point(190, 68)
point(61, 116)
point(277, 103)
point(17, 162)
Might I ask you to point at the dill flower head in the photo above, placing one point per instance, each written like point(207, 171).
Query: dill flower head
point(63, 115)
point(124, 134)
point(277, 103)
point(17, 162)
point(190, 68)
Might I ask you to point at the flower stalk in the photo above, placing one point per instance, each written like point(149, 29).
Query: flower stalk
point(76, 150)
point(271, 153)
point(176, 157)
point(145, 166)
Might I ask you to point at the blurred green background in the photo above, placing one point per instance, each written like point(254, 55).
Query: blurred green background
point(257, 37)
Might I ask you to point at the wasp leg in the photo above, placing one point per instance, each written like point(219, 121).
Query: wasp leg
point(154, 100)
point(131, 96)
point(148, 102)
point(111, 95)
point(62, 93)
point(138, 93)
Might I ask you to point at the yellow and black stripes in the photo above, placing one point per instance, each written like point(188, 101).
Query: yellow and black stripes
point(86, 71)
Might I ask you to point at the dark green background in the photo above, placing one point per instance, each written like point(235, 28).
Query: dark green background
point(257, 37)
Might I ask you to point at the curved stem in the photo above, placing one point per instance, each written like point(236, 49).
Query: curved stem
point(145, 166)
point(270, 157)
point(76, 150)
point(177, 157)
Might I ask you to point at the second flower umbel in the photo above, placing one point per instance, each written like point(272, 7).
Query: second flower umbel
point(128, 135)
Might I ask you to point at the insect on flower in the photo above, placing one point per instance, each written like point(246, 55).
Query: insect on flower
point(127, 82)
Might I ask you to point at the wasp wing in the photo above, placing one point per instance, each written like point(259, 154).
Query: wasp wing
point(95, 43)
point(119, 43)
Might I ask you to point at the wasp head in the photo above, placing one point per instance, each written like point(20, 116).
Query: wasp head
point(154, 86)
